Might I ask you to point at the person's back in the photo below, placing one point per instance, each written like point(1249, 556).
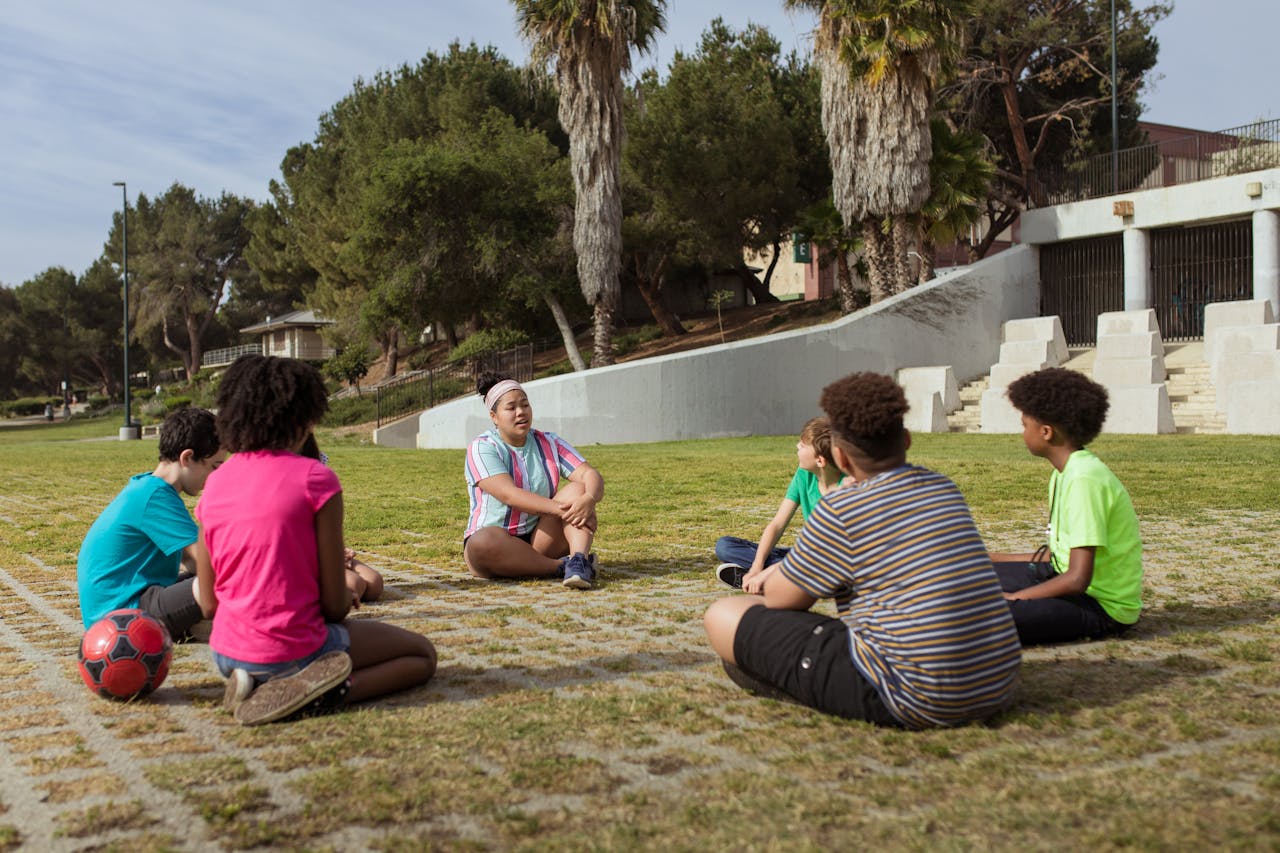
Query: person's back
point(923, 636)
point(133, 553)
point(259, 511)
point(902, 558)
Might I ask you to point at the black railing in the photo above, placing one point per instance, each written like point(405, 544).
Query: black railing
point(1184, 160)
point(399, 397)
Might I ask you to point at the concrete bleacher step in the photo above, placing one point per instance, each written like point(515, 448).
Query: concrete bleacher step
point(1190, 387)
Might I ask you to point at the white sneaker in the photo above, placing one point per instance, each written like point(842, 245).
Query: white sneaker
point(240, 685)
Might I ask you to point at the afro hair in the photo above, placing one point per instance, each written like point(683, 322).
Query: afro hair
point(866, 409)
point(265, 402)
point(1070, 402)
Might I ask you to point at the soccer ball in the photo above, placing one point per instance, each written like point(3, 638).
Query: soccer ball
point(125, 655)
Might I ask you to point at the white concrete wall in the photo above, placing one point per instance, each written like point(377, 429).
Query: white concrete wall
point(770, 385)
point(1216, 198)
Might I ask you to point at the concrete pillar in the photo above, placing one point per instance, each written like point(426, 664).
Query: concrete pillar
point(1137, 269)
point(1266, 258)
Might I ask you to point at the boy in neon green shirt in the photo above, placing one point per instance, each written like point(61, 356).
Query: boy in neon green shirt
point(1087, 581)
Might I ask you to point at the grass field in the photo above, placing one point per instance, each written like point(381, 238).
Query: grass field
point(600, 720)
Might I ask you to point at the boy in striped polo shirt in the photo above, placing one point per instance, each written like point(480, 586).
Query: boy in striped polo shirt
point(923, 637)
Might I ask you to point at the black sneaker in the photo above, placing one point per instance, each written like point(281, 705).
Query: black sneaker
point(731, 574)
point(333, 699)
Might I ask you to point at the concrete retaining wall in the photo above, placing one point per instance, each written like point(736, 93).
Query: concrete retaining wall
point(770, 385)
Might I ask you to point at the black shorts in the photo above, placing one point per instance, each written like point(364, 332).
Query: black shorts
point(806, 655)
point(527, 538)
point(174, 605)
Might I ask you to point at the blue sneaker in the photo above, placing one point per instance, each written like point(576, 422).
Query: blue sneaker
point(580, 571)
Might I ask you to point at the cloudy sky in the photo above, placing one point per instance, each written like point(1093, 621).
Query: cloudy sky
point(212, 94)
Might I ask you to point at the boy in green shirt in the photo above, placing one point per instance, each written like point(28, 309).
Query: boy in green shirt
point(747, 565)
point(1087, 581)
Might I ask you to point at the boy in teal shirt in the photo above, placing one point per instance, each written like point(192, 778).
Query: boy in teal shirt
point(140, 552)
point(745, 564)
point(1087, 581)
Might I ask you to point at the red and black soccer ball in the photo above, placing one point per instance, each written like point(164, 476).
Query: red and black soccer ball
point(125, 655)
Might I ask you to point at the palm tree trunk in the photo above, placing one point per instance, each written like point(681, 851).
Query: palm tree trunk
point(844, 283)
point(877, 251)
point(566, 332)
point(603, 354)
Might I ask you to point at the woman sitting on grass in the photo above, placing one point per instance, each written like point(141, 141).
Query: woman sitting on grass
point(272, 575)
point(523, 517)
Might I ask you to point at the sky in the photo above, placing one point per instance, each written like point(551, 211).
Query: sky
point(212, 95)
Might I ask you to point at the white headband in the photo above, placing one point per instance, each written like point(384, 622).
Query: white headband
point(495, 393)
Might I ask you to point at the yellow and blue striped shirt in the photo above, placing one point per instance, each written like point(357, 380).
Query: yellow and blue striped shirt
point(928, 625)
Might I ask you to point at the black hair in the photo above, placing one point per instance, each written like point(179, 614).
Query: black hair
point(191, 429)
point(866, 409)
point(487, 380)
point(1070, 402)
point(264, 402)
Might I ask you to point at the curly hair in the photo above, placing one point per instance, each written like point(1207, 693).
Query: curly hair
point(866, 409)
point(817, 434)
point(265, 402)
point(1070, 402)
point(487, 380)
point(191, 429)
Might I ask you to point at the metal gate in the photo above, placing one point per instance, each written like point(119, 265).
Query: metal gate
point(1080, 279)
point(1194, 266)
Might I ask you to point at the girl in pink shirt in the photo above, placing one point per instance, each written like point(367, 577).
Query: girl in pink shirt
point(274, 565)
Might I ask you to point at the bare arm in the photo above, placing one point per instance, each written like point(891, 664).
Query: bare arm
point(1041, 556)
point(772, 533)
point(335, 598)
point(204, 579)
point(783, 594)
point(502, 487)
point(1074, 581)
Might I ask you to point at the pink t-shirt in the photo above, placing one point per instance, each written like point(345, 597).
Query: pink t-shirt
point(258, 515)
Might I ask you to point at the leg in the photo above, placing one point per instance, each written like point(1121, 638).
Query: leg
point(721, 621)
point(174, 605)
point(386, 658)
point(1061, 620)
point(742, 552)
point(556, 539)
point(491, 552)
point(370, 580)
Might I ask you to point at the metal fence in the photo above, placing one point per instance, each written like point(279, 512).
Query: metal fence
point(226, 355)
point(1183, 160)
point(399, 397)
point(1195, 266)
point(1080, 279)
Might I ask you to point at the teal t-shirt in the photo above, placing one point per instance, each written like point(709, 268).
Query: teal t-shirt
point(137, 542)
point(1090, 507)
point(804, 491)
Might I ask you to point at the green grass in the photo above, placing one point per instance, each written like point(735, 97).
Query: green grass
point(601, 720)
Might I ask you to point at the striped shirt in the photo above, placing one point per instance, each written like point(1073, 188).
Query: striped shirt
point(928, 625)
point(536, 467)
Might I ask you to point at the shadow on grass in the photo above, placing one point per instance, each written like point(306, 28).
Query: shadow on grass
point(453, 683)
point(1177, 617)
point(1061, 686)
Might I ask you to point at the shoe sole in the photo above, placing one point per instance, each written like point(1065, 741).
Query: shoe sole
point(280, 697)
point(577, 582)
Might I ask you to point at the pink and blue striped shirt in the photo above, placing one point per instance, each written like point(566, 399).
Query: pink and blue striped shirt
point(537, 467)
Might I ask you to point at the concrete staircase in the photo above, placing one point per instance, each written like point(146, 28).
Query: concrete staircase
point(1191, 392)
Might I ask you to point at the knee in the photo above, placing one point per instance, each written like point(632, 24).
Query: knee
point(427, 660)
point(373, 584)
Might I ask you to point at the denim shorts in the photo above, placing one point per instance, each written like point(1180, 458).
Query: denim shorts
point(338, 639)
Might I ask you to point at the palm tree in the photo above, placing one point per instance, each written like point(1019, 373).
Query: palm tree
point(960, 172)
point(591, 42)
point(879, 61)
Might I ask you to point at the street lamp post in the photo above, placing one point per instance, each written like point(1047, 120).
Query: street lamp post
point(128, 431)
point(1115, 110)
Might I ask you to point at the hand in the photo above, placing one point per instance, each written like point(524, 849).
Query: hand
point(754, 580)
point(579, 512)
point(350, 557)
point(1011, 596)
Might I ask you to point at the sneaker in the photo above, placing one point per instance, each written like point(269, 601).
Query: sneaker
point(239, 685)
point(731, 574)
point(281, 697)
point(580, 571)
point(199, 632)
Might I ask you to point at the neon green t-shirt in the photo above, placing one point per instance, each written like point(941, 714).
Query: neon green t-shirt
point(1090, 507)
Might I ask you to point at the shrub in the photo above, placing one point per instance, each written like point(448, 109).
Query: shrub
point(30, 406)
point(624, 344)
point(489, 340)
point(172, 404)
point(351, 410)
point(97, 401)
